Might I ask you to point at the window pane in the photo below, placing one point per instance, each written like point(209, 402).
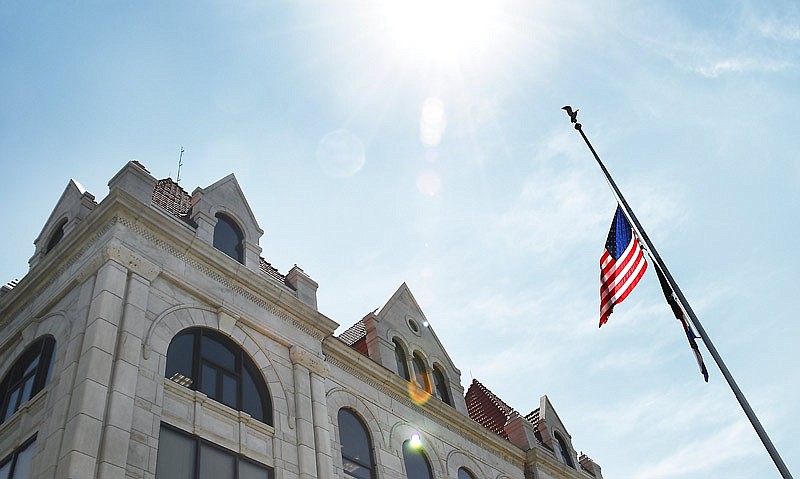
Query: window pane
point(249, 470)
point(252, 403)
point(31, 366)
point(354, 439)
point(22, 469)
point(415, 462)
point(400, 358)
point(218, 354)
point(420, 374)
point(208, 383)
point(464, 474)
point(355, 470)
point(229, 391)
point(440, 385)
point(215, 463)
point(26, 389)
point(12, 404)
point(5, 469)
point(228, 238)
point(175, 455)
point(179, 360)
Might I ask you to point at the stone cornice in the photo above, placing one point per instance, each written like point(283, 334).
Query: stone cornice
point(120, 210)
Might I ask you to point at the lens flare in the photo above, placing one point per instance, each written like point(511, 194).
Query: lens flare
point(340, 154)
point(417, 394)
point(429, 183)
point(415, 441)
point(432, 121)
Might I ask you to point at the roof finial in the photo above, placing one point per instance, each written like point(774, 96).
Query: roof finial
point(180, 163)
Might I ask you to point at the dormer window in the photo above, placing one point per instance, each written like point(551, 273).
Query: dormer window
point(228, 237)
point(56, 236)
point(563, 450)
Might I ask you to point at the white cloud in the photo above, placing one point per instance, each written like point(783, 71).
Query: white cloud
point(740, 64)
point(703, 455)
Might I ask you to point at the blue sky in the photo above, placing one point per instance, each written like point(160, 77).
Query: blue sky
point(382, 142)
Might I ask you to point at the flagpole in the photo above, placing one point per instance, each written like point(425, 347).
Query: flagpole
point(762, 434)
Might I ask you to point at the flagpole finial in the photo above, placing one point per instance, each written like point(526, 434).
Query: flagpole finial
point(573, 115)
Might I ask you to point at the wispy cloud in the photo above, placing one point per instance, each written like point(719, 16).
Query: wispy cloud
point(705, 454)
point(739, 65)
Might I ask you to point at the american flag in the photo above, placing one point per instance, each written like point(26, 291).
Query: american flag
point(621, 265)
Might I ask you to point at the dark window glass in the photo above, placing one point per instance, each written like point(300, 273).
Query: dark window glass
point(215, 463)
point(400, 358)
point(563, 449)
point(250, 470)
point(55, 237)
point(440, 387)
point(209, 362)
point(251, 399)
point(416, 462)
point(26, 377)
point(18, 464)
point(218, 353)
point(179, 359)
point(228, 238)
point(181, 456)
point(420, 372)
point(465, 474)
point(176, 455)
point(356, 446)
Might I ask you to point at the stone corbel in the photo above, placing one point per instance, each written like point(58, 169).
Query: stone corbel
point(310, 361)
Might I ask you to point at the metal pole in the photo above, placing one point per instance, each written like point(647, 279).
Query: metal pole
point(762, 434)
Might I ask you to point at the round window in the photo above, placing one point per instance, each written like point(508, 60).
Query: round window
point(412, 325)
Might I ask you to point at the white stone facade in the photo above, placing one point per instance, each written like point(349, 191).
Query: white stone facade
point(127, 276)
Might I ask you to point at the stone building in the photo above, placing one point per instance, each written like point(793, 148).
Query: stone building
point(150, 338)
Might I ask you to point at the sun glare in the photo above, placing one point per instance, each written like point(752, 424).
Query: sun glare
point(439, 29)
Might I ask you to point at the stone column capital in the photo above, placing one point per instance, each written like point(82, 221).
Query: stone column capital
point(312, 362)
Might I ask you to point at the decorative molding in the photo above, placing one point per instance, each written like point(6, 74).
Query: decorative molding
point(221, 279)
point(313, 363)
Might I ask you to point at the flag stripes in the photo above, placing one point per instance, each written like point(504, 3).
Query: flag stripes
point(622, 265)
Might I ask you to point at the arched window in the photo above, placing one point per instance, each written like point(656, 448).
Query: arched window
point(18, 464)
point(440, 388)
point(463, 473)
point(55, 236)
point(26, 377)
point(228, 237)
point(207, 361)
point(563, 450)
point(420, 372)
point(356, 446)
point(400, 358)
point(416, 462)
point(181, 456)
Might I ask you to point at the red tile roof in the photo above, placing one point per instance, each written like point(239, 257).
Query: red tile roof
point(356, 337)
point(169, 195)
point(485, 408)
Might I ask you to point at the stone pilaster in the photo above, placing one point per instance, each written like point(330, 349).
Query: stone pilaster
point(89, 399)
point(322, 425)
point(115, 441)
point(306, 458)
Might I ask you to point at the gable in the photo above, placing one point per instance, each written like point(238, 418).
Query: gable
point(226, 196)
point(72, 207)
point(401, 317)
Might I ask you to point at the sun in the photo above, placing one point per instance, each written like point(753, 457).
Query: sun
point(442, 30)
